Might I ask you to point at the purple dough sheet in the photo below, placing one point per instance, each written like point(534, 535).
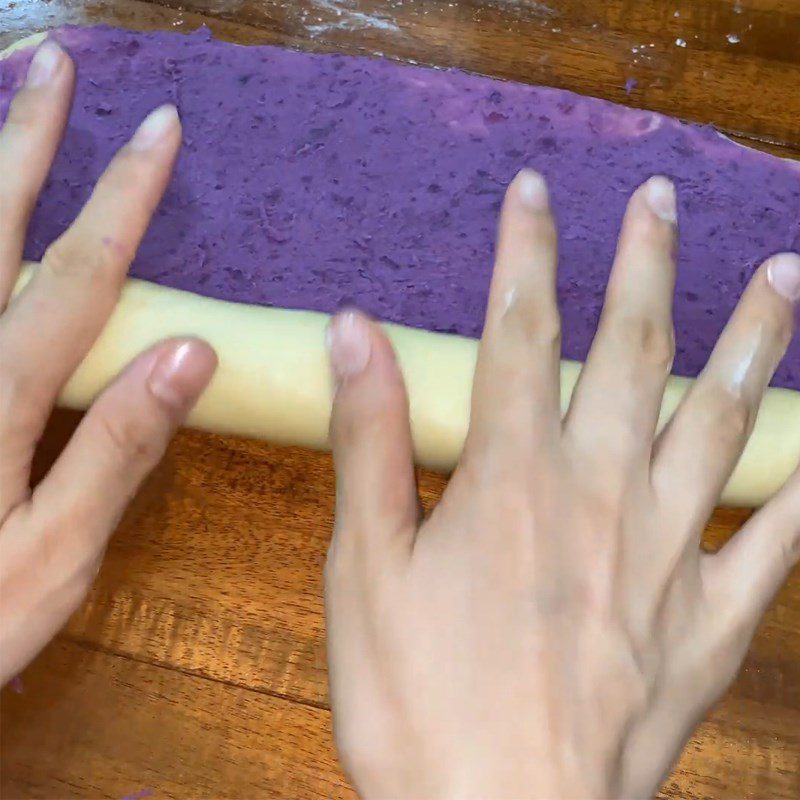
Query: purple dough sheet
point(313, 181)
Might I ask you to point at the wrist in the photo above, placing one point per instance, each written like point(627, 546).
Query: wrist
point(472, 782)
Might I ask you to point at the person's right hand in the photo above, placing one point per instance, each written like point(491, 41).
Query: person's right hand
point(553, 629)
point(52, 539)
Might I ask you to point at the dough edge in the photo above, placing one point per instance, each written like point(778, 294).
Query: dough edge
point(273, 380)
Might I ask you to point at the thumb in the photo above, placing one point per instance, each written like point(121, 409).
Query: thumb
point(376, 495)
point(753, 565)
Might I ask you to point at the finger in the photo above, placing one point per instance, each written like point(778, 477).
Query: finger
point(746, 574)
point(48, 329)
point(516, 392)
point(53, 544)
point(615, 406)
point(122, 437)
point(376, 496)
point(28, 143)
point(699, 448)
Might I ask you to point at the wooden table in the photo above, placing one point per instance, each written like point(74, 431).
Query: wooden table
point(197, 668)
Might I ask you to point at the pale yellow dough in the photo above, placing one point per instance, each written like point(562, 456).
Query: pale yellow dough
point(273, 381)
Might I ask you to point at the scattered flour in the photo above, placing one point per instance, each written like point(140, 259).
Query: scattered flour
point(348, 19)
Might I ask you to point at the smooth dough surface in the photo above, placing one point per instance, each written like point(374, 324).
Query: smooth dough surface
point(273, 382)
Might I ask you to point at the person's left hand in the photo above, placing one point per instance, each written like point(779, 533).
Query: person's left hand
point(52, 539)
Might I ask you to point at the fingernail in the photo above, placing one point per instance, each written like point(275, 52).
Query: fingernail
point(349, 344)
point(783, 274)
point(155, 126)
point(532, 190)
point(44, 64)
point(660, 196)
point(181, 372)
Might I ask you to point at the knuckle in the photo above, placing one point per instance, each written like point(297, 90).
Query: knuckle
point(736, 414)
point(347, 428)
point(729, 416)
point(127, 439)
point(651, 344)
point(367, 420)
point(62, 260)
point(534, 324)
point(71, 260)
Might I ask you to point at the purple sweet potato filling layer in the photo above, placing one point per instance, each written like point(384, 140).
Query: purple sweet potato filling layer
point(311, 181)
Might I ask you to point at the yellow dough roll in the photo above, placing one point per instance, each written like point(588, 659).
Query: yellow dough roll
point(273, 381)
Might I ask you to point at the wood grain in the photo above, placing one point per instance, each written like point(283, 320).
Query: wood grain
point(739, 68)
point(127, 726)
point(197, 667)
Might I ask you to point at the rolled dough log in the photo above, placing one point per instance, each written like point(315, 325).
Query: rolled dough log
point(273, 381)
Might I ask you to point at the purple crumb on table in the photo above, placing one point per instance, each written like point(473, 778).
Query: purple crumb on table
point(139, 795)
point(17, 685)
point(316, 181)
point(630, 85)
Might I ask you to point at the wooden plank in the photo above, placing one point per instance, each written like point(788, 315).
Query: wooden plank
point(21, 18)
point(738, 69)
point(91, 724)
point(728, 758)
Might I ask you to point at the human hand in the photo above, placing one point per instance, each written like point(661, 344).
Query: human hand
point(52, 539)
point(553, 629)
